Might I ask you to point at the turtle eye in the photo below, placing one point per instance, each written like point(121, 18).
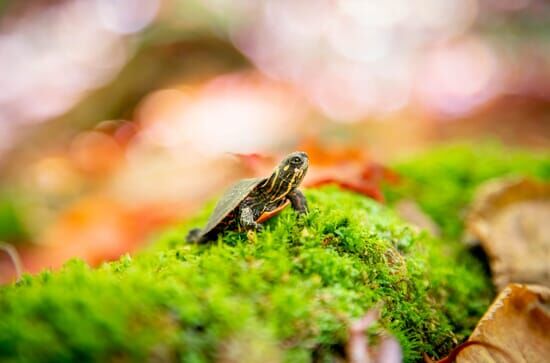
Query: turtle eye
point(296, 160)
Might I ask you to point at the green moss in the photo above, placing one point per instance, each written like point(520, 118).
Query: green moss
point(443, 180)
point(285, 294)
point(288, 292)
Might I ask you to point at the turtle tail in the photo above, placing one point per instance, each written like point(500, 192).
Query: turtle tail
point(194, 236)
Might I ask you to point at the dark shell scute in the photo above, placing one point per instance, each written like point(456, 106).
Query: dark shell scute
point(229, 201)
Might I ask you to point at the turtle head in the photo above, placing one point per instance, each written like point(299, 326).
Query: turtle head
point(287, 175)
point(293, 168)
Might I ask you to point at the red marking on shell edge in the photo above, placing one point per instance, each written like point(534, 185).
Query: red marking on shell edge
point(267, 215)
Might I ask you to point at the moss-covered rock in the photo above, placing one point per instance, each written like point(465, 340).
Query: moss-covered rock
point(284, 294)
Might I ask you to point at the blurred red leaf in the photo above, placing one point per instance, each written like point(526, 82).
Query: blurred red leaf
point(364, 178)
point(325, 154)
point(95, 229)
point(348, 167)
point(370, 190)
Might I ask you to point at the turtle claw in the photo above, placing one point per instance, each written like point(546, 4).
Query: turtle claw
point(252, 231)
point(302, 220)
point(252, 227)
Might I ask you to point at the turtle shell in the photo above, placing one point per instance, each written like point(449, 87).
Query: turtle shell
point(229, 201)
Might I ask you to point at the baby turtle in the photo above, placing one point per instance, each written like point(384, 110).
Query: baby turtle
point(250, 201)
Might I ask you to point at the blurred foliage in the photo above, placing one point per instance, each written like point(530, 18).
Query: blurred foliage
point(157, 64)
point(443, 180)
point(288, 292)
point(12, 228)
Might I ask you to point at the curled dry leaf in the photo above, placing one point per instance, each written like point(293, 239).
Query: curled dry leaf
point(510, 218)
point(517, 321)
point(456, 351)
point(357, 348)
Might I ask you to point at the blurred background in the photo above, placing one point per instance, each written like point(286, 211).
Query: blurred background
point(118, 118)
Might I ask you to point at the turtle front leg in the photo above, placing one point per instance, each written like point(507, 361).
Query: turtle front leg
point(298, 201)
point(246, 219)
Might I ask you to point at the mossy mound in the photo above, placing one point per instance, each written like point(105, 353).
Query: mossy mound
point(444, 179)
point(285, 294)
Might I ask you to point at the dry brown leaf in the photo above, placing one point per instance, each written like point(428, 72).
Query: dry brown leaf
point(511, 219)
point(518, 321)
point(451, 357)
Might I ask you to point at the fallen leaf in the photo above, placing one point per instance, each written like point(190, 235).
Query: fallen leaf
point(517, 321)
point(349, 167)
point(510, 218)
point(364, 178)
point(457, 350)
point(95, 229)
point(367, 189)
point(377, 172)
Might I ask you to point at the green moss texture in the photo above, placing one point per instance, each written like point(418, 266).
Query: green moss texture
point(285, 294)
point(443, 180)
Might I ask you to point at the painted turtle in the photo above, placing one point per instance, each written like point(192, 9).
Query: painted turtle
point(250, 202)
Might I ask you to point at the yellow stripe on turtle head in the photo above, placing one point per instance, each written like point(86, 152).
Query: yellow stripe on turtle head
point(289, 187)
point(275, 177)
